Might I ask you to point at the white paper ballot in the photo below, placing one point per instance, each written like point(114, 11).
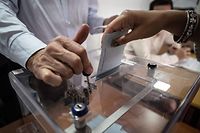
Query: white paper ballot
point(110, 56)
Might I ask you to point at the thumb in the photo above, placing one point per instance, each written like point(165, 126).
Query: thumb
point(82, 34)
point(80, 38)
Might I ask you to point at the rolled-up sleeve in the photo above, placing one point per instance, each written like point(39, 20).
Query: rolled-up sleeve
point(16, 41)
point(93, 19)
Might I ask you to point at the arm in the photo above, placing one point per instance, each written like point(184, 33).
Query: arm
point(61, 59)
point(145, 24)
point(14, 36)
point(52, 63)
point(151, 22)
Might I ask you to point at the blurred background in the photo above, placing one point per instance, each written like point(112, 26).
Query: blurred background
point(110, 7)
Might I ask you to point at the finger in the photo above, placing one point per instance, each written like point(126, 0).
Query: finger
point(80, 38)
point(72, 60)
point(63, 58)
point(122, 22)
point(188, 49)
point(135, 34)
point(188, 52)
point(115, 25)
point(82, 34)
point(126, 38)
point(60, 68)
point(77, 49)
point(87, 66)
point(49, 77)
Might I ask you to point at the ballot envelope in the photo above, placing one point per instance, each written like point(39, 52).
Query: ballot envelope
point(137, 96)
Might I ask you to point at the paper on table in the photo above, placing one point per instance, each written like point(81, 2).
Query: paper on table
point(110, 56)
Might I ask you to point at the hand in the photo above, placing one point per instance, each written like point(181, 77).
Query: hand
point(183, 53)
point(144, 24)
point(109, 20)
point(61, 59)
point(139, 22)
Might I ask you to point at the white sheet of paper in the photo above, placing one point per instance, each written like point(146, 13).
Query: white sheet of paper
point(110, 56)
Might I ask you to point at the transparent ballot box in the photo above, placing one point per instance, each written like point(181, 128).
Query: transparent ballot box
point(139, 96)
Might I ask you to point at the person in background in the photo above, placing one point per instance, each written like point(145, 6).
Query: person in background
point(160, 47)
point(44, 37)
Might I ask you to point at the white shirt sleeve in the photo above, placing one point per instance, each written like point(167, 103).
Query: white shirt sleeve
point(139, 48)
point(93, 19)
point(16, 42)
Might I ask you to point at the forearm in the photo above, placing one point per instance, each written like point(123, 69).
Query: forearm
point(195, 37)
point(16, 42)
point(176, 22)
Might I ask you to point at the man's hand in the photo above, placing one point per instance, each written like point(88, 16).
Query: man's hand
point(61, 59)
point(183, 53)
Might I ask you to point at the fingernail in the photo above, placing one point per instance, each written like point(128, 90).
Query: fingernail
point(89, 70)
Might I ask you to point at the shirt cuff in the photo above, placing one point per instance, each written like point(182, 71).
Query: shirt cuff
point(23, 47)
point(95, 22)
